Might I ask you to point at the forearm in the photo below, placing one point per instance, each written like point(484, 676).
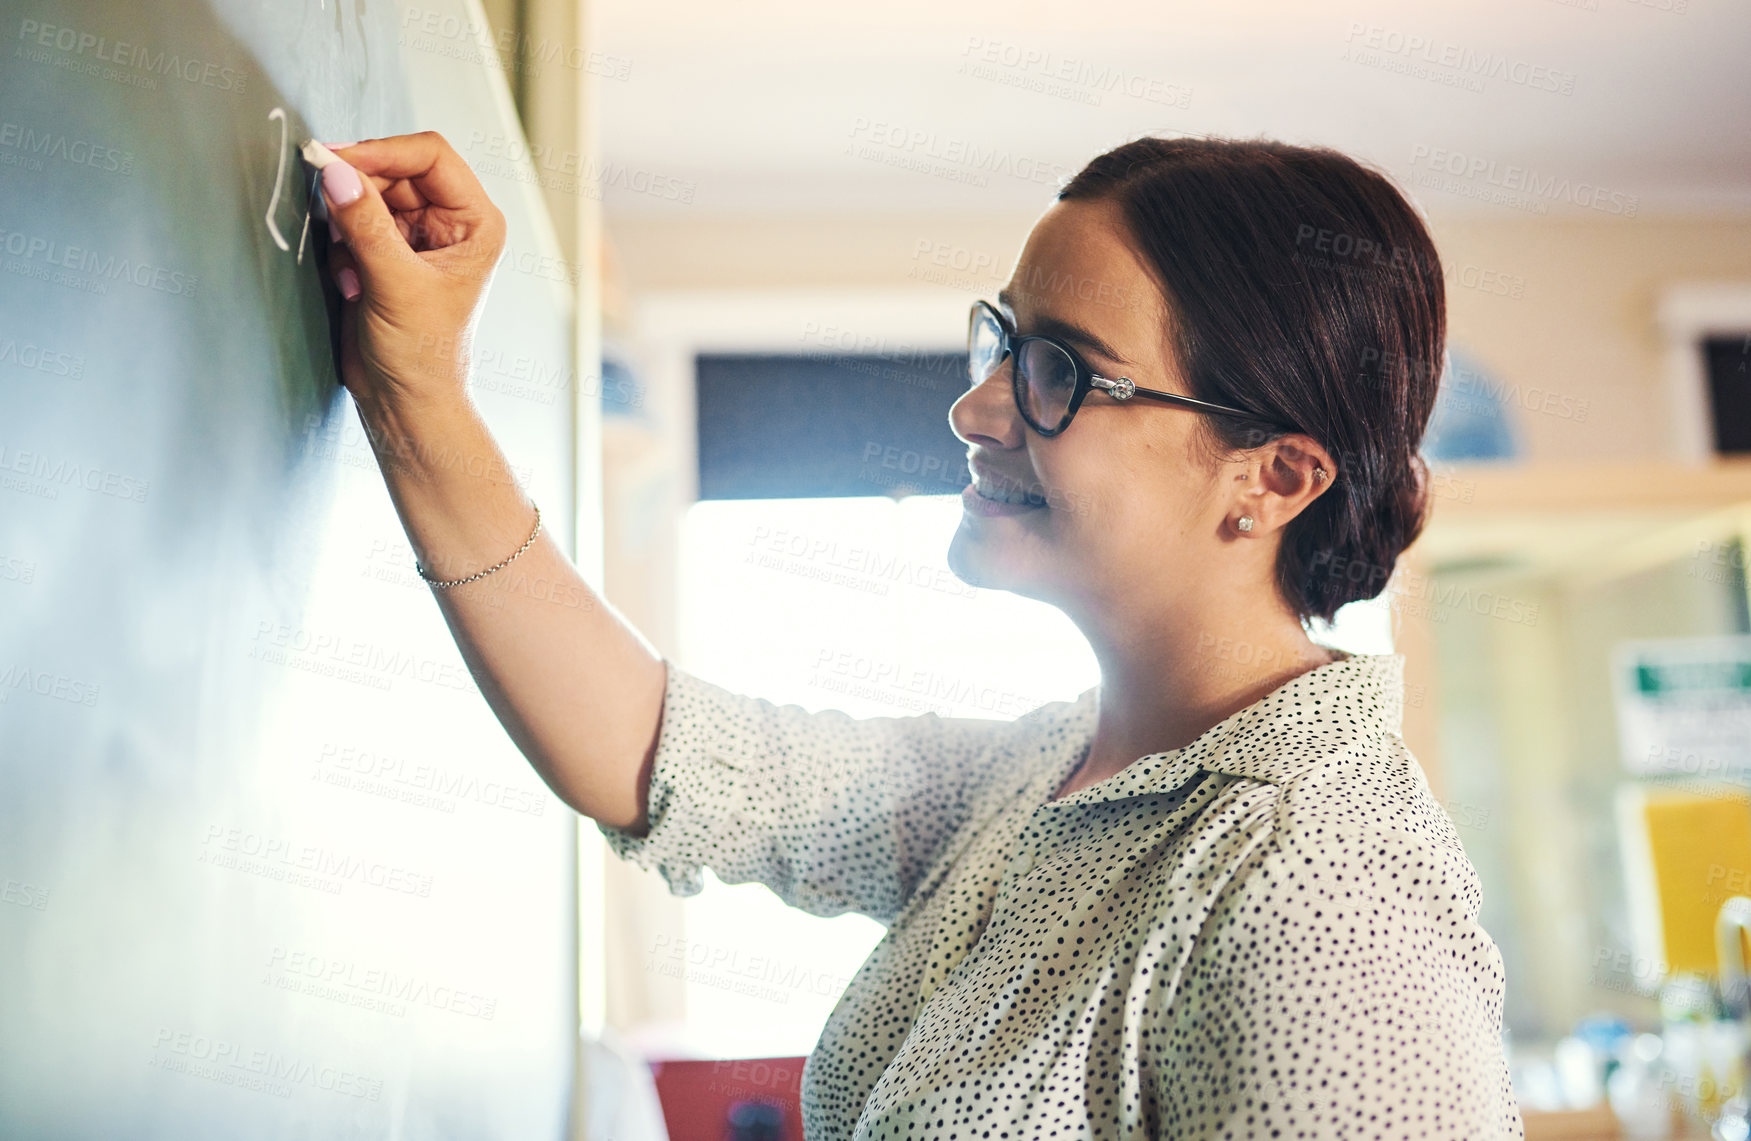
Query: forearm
point(576, 687)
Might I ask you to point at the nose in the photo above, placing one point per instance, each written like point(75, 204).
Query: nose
point(985, 413)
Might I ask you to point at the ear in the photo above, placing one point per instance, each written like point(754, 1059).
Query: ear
point(1278, 481)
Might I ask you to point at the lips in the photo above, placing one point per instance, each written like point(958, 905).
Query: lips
point(1006, 489)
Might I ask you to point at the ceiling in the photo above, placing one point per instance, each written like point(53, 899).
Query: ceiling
point(905, 106)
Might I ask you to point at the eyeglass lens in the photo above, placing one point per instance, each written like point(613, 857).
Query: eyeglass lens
point(1047, 374)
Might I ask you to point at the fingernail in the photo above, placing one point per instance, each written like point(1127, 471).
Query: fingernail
point(348, 282)
point(341, 183)
point(338, 146)
point(333, 231)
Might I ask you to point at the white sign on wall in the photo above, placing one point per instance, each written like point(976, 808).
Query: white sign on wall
point(1684, 706)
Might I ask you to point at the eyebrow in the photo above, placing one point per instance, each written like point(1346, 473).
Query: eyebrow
point(1065, 331)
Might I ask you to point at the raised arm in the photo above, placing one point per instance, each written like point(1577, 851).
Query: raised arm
point(576, 687)
point(832, 812)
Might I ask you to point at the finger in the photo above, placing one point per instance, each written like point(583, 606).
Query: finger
point(403, 195)
point(352, 365)
point(427, 161)
point(370, 232)
point(343, 268)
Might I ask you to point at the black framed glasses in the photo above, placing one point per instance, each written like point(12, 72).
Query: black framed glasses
point(1050, 380)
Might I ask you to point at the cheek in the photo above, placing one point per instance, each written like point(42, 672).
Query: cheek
point(1126, 481)
point(1144, 497)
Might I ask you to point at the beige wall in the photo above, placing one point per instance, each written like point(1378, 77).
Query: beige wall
point(1546, 305)
point(1585, 323)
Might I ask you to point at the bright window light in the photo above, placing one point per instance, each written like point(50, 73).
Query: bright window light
point(1359, 628)
point(846, 604)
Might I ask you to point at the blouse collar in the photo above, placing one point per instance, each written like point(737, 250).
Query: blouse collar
point(1323, 711)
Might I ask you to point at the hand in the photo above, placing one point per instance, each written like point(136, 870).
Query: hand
point(418, 240)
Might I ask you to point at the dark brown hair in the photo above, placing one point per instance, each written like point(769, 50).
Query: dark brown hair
point(1303, 287)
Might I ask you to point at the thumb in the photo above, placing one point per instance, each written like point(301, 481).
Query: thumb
point(358, 211)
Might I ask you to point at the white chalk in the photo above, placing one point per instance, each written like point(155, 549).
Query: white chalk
point(318, 155)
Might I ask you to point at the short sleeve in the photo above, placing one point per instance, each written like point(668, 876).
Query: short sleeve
point(834, 813)
point(1341, 987)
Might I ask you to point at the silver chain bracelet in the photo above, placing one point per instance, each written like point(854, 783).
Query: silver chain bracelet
point(459, 581)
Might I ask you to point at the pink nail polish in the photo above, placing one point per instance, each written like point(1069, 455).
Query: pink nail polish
point(340, 182)
point(348, 282)
point(338, 146)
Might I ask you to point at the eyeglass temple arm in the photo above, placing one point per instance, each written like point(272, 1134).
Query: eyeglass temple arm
point(1125, 389)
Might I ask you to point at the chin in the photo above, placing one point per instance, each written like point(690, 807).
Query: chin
point(978, 561)
point(967, 561)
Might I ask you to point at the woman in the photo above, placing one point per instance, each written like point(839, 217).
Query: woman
point(1210, 897)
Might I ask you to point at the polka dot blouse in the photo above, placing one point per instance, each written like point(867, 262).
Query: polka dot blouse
point(1270, 933)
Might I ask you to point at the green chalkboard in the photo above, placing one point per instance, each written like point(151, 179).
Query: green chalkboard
point(269, 867)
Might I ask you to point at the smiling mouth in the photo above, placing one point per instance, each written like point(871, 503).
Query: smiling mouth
point(999, 492)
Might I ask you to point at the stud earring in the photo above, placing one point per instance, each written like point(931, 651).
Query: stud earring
point(1244, 523)
point(1319, 473)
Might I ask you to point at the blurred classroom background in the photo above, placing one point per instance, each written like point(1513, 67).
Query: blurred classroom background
point(784, 210)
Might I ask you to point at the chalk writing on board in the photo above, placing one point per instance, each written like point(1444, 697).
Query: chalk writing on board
point(279, 180)
point(305, 233)
point(279, 174)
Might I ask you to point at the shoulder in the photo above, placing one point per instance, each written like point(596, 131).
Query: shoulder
point(1333, 799)
point(1357, 830)
point(1329, 747)
point(1355, 861)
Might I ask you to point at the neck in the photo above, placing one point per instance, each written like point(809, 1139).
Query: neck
point(1167, 678)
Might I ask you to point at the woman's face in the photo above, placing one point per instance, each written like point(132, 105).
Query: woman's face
point(1133, 499)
